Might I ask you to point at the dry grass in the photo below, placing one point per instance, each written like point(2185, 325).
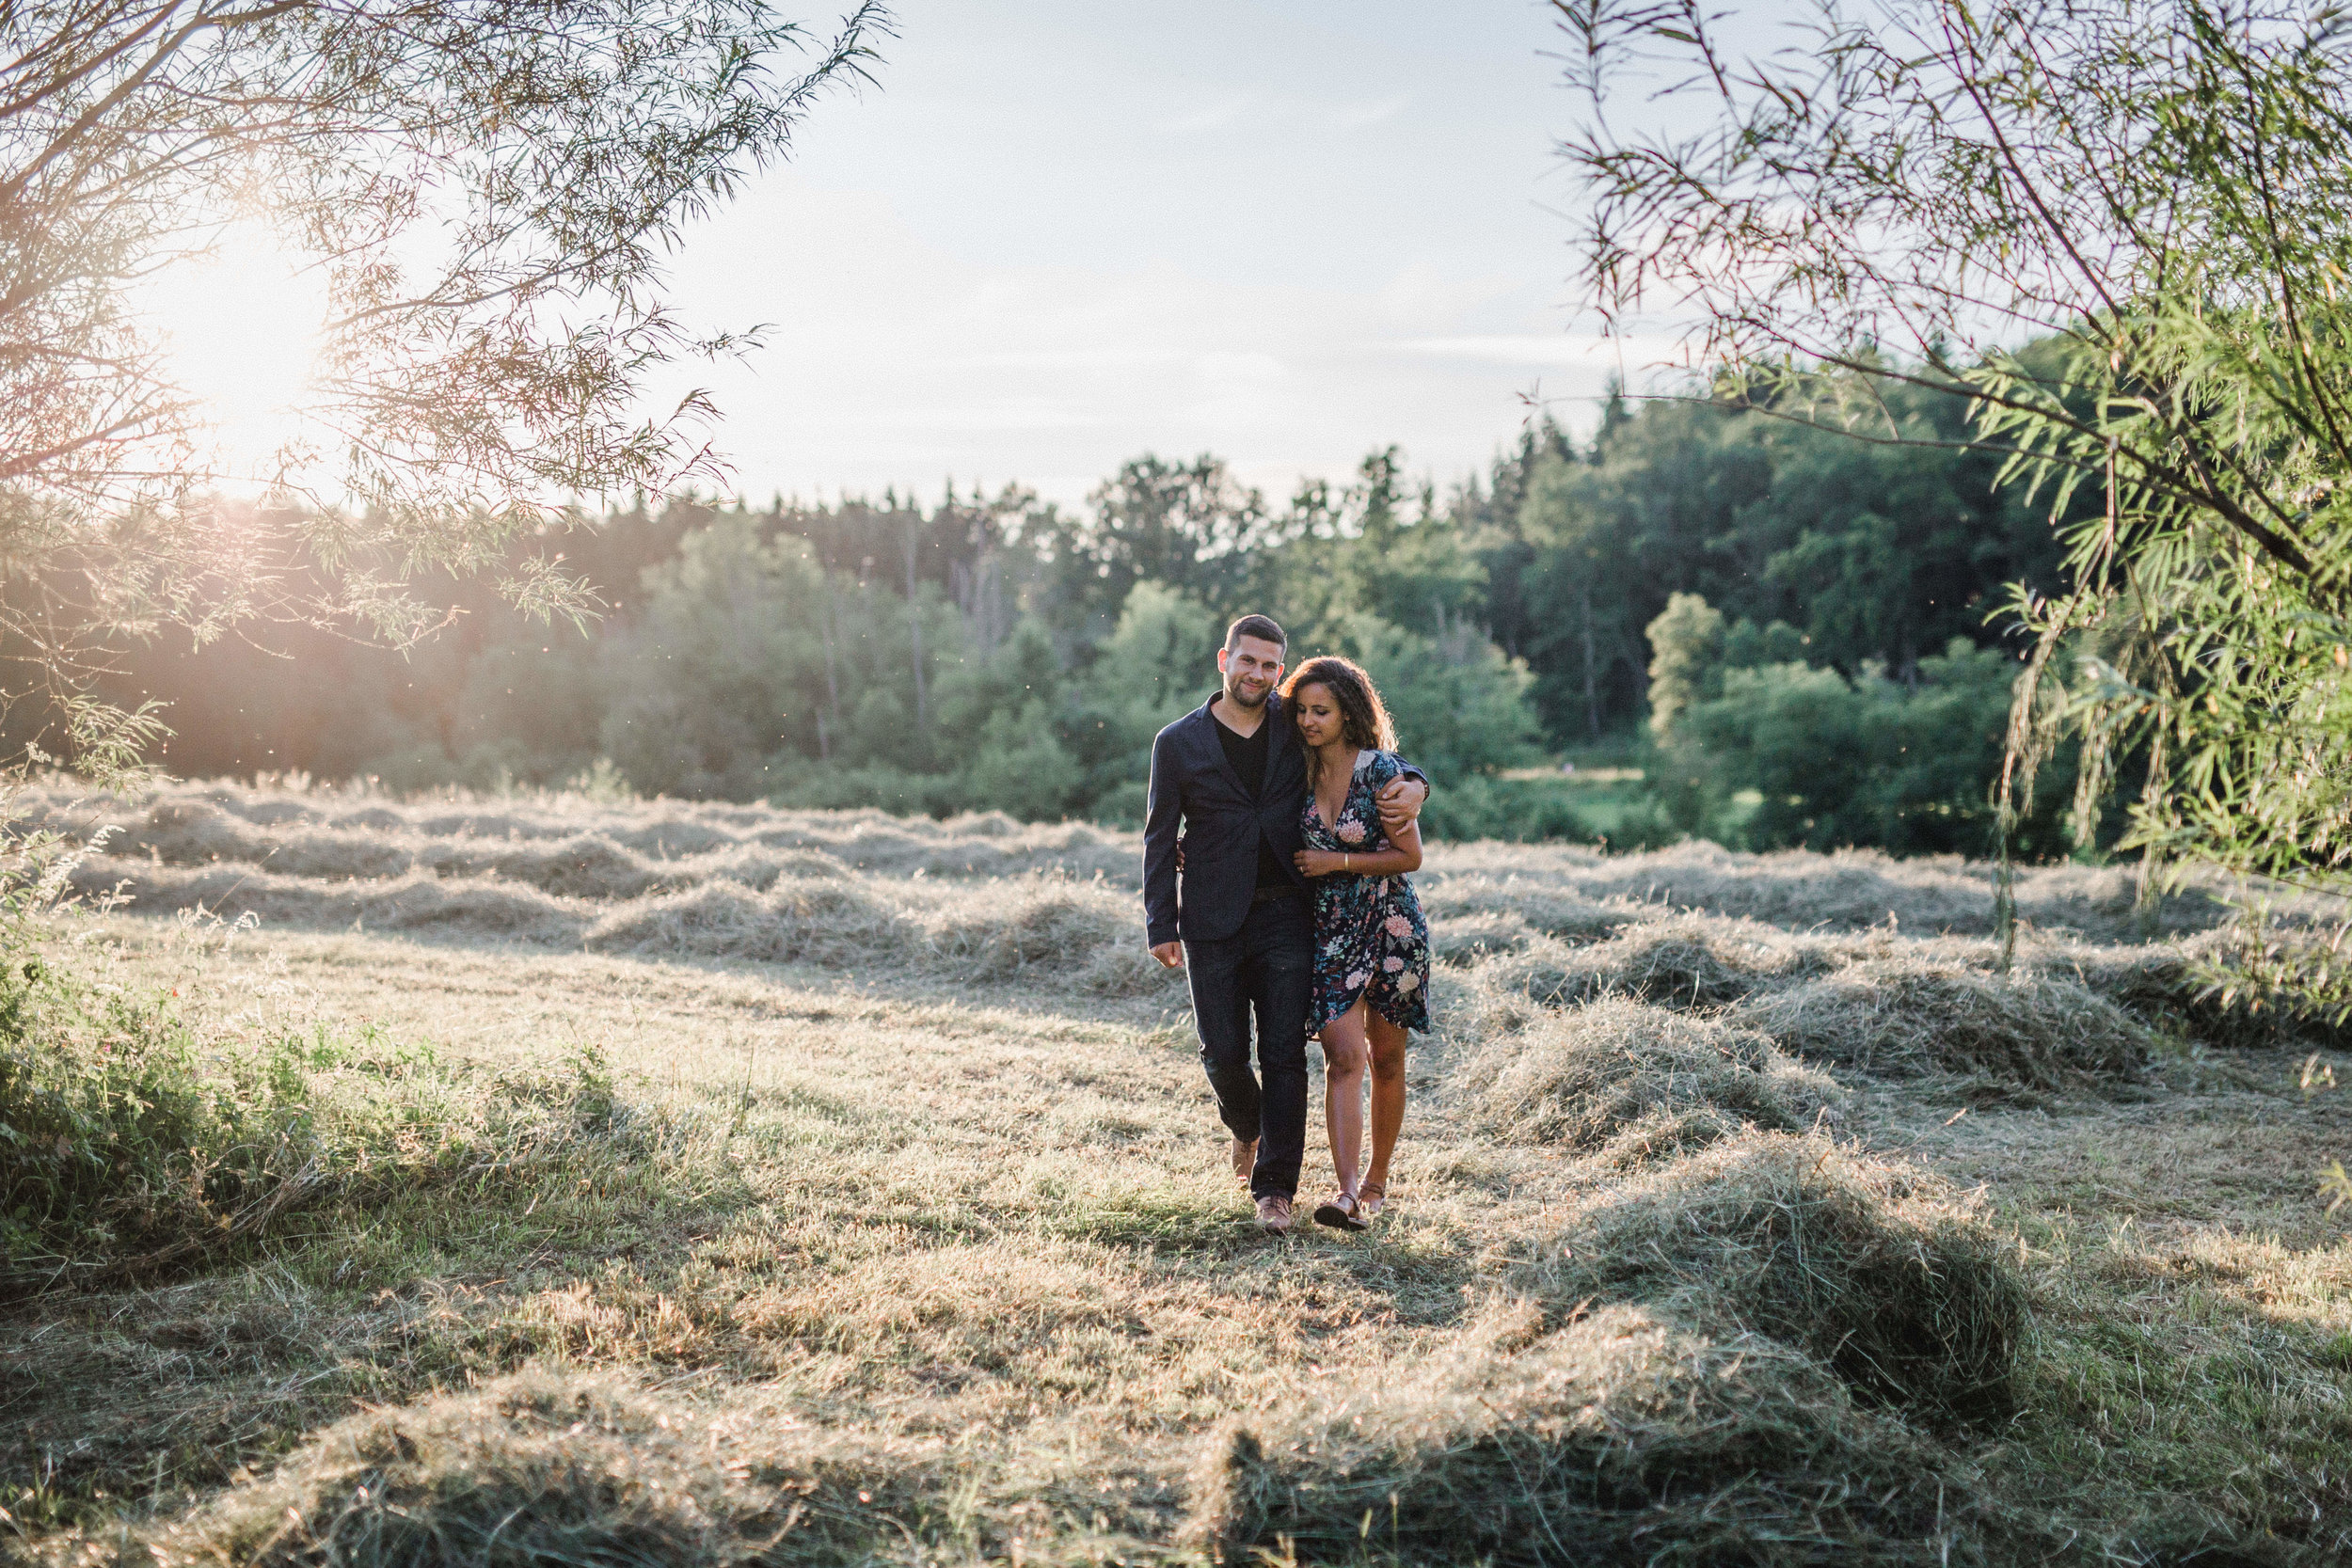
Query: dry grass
point(1675, 962)
point(1881, 1272)
point(1579, 1078)
point(581, 848)
point(1849, 890)
point(911, 1189)
point(537, 1469)
point(2028, 1028)
point(1621, 1437)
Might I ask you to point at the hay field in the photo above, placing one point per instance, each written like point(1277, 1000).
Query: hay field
point(754, 1186)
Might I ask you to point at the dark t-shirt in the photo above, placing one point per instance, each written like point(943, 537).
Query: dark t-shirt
point(1247, 754)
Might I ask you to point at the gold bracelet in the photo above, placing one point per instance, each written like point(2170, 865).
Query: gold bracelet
point(1347, 862)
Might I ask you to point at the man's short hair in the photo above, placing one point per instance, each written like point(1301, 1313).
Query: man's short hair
point(1260, 626)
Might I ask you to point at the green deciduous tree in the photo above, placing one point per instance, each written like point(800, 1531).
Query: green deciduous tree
point(2152, 192)
point(1157, 665)
point(1687, 659)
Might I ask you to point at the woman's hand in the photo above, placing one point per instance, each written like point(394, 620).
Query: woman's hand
point(1317, 863)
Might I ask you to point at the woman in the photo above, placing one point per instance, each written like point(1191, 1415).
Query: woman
point(1372, 945)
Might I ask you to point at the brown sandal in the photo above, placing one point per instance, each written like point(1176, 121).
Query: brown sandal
point(1338, 1212)
point(1371, 1198)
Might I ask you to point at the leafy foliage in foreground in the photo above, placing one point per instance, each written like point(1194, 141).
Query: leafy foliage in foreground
point(133, 1141)
point(2116, 233)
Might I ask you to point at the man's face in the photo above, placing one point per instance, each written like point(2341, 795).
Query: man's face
point(1253, 666)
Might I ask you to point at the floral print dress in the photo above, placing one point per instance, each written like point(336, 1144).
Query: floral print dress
point(1371, 939)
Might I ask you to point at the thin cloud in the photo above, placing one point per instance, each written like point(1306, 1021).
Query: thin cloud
point(1360, 117)
point(1222, 115)
point(1513, 348)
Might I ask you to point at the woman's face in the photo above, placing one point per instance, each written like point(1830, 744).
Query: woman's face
point(1318, 715)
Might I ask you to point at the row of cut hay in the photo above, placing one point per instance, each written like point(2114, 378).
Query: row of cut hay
point(1883, 1003)
point(1745, 1223)
point(537, 1471)
point(1676, 962)
point(1845, 890)
point(1562, 890)
point(2176, 987)
point(1017, 929)
point(584, 866)
point(1741, 1222)
point(1513, 910)
point(1075, 933)
point(322, 836)
point(1622, 1438)
point(1870, 1001)
point(1636, 1083)
point(419, 903)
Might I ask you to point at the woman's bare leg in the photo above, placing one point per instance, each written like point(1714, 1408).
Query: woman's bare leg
point(1387, 1044)
point(1343, 1057)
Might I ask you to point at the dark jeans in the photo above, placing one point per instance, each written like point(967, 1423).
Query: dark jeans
point(1267, 966)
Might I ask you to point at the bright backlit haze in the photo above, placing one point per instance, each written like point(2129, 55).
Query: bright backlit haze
point(1057, 234)
point(240, 329)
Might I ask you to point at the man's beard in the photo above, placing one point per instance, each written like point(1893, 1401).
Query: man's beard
point(1234, 694)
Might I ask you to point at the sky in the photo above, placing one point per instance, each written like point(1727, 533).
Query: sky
point(1056, 234)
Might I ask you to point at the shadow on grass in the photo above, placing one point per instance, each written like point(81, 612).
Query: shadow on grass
point(1164, 1221)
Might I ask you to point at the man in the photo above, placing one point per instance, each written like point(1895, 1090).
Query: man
point(1244, 925)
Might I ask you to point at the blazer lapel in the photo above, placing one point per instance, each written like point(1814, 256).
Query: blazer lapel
point(1217, 747)
point(1284, 740)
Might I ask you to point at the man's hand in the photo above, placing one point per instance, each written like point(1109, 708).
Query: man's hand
point(1170, 953)
point(1399, 804)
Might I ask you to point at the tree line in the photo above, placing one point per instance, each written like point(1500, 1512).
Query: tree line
point(1000, 652)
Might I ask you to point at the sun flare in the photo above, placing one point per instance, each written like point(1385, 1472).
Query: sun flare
point(241, 330)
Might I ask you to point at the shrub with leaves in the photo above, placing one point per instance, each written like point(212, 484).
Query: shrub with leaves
point(116, 1131)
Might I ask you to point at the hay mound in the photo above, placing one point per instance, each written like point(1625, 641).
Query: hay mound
point(420, 902)
point(585, 866)
point(1681, 961)
point(1466, 939)
point(814, 921)
point(1622, 1438)
point(1905, 1016)
point(673, 838)
point(1127, 969)
point(536, 1471)
point(1542, 904)
point(1581, 1076)
point(1033, 923)
point(1877, 1269)
point(1669, 1134)
point(2170, 986)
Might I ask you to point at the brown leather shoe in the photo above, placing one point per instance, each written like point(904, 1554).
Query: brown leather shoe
point(1274, 1215)
point(1244, 1159)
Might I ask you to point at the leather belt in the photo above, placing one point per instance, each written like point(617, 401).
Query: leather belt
point(1268, 895)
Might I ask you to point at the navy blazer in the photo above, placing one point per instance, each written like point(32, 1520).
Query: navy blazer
point(1192, 779)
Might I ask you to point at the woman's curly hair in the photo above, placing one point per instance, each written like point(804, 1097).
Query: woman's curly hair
point(1363, 718)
